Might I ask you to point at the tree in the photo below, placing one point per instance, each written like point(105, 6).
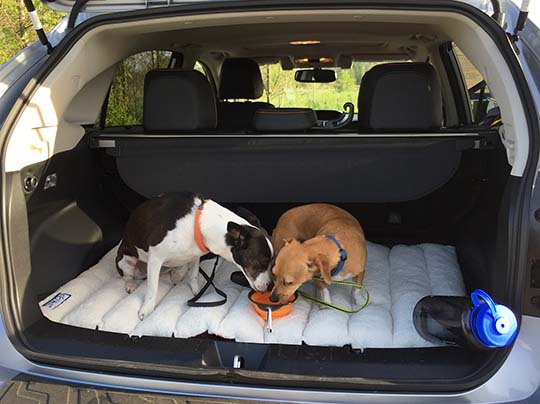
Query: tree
point(16, 30)
point(125, 103)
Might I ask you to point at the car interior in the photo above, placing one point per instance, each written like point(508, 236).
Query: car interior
point(412, 159)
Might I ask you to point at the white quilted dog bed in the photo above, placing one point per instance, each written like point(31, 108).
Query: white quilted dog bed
point(396, 279)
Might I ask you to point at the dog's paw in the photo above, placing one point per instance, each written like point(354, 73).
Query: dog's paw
point(131, 286)
point(145, 311)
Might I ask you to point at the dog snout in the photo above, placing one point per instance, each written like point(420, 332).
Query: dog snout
point(270, 286)
point(263, 282)
point(274, 298)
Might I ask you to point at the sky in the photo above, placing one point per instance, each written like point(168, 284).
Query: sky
point(534, 10)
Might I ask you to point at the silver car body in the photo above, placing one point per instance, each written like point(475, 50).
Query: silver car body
point(517, 380)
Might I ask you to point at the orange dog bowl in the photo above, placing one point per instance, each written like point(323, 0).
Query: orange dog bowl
point(261, 303)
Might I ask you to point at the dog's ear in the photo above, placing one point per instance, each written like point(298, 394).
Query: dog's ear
point(319, 263)
point(249, 216)
point(236, 236)
point(287, 241)
point(252, 220)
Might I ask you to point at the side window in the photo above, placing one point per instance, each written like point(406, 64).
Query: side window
point(200, 68)
point(125, 102)
point(483, 105)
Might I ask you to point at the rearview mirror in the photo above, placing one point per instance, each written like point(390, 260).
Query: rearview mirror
point(315, 76)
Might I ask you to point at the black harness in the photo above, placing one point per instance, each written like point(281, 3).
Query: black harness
point(193, 302)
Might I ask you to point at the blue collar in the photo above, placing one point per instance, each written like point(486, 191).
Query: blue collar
point(343, 254)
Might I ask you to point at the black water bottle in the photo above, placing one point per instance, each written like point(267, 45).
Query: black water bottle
point(475, 322)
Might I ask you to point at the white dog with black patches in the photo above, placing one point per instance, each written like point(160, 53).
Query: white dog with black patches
point(174, 231)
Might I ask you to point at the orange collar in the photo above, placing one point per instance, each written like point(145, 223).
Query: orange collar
point(197, 229)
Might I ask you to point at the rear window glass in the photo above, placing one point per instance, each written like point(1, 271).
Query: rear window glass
point(483, 105)
point(281, 89)
point(125, 103)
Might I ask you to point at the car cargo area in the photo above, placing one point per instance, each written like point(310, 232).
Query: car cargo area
point(396, 278)
point(440, 237)
point(423, 164)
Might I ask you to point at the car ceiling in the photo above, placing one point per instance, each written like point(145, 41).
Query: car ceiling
point(271, 42)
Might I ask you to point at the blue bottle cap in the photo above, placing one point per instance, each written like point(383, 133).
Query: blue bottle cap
point(493, 325)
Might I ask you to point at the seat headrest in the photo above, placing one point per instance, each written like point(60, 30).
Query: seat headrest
point(284, 119)
point(400, 96)
point(240, 78)
point(178, 100)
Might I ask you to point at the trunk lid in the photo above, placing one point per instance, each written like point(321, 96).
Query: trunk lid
point(110, 6)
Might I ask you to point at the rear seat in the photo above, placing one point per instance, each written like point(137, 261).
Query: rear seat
point(178, 100)
point(240, 78)
point(284, 119)
point(181, 149)
point(398, 97)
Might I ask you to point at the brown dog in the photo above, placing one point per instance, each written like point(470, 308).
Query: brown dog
point(307, 243)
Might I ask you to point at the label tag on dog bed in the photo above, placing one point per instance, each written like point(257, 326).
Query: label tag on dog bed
point(57, 300)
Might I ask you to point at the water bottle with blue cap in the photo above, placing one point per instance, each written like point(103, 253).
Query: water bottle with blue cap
point(475, 322)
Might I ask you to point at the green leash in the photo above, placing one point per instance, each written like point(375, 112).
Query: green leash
point(333, 306)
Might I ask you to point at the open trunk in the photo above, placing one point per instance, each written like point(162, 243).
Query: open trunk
point(72, 230)
point(452, 186)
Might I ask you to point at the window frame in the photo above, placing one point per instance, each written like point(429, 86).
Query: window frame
point(477, 115)
point(457, 82)
point(176, 60)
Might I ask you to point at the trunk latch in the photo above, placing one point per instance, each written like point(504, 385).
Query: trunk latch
point(238, 362)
